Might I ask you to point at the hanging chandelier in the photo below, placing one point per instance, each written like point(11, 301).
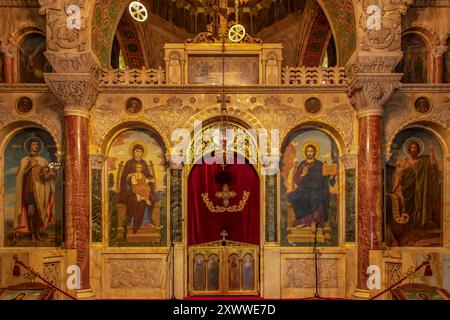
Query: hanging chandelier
point(237, 31)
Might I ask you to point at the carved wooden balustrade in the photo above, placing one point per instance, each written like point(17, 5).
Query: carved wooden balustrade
point(298, 76)
point(140, 77)
point(313, 76)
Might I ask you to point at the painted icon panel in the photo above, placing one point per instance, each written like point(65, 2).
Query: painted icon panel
point(414, 190)
point(309, 189)
point(137, 190)
point(33, 191)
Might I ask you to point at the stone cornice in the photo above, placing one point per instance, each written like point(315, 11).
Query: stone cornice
point(20, 3)
point(43, 88)
point(24, 87)
point(218, 89)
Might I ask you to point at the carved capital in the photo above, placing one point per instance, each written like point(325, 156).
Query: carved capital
point(9, 49)
point(97, 161)
point(380, 22)
point(59, 35)
point(349, 161)
point(74, 62)
point(369, 92)
point(77, 92)
point(171, 164)
point(365, 62)
point(439, 51)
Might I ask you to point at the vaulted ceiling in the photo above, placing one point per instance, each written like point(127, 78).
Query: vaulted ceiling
point(176, 20)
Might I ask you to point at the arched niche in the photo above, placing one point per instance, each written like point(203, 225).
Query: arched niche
point(416, 62)
point(32, 63)
point(32, 188)
point(136, 188)
point(447, 62)
point(311, 190)
point(415, 188)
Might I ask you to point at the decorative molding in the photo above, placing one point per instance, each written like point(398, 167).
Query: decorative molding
point(59, 37)
point(20, 3)
point(299, 273)
point(399, 113)
point(73, 62)
point(389, 35)
point(135, 274)
point(49, 117)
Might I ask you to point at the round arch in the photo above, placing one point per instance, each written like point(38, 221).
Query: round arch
point(324, 127)
point(108, 138)
point(435, 129)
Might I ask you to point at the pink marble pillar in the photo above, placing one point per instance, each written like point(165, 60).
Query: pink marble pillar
point(77, 191)
point(9, 69)
point(438, 63)
point(369, 193)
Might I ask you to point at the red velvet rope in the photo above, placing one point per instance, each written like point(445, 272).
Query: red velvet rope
point(400, 281)
point(17, 261)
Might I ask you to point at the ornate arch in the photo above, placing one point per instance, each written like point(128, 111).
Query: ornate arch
point(341, 15)
point(332, 132)
point(437, 130)
point(122, 126)
point(234, 124)
point(428, 35)
point(318, 38)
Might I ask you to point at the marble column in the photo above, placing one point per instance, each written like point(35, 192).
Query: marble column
point(77, 92)
point(438, 63)
point(369, 92)
point(369, 215)
point(9, 51)
point(77, 191)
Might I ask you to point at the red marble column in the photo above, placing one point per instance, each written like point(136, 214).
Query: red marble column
point(438, 69)
point(9, 69)
point(77, 192)
point(369, 193)
point(438, 63)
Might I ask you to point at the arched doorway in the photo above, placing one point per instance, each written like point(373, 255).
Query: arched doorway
point(223, 217)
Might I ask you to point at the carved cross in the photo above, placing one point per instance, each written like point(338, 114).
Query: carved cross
point(220, 16)
point(226, 194)
point(223, 234)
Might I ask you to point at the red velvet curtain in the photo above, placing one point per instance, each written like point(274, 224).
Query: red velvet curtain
point(204, 225)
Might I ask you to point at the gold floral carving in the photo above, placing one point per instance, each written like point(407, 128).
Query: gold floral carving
point(59, 37)
point(135, 273)
point(226, 194)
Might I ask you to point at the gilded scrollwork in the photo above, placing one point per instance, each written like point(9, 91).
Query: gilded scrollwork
point(49, 117)
point(384, 30)
point(59, 37)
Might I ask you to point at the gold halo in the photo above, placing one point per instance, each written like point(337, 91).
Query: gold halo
point(411, 140)
point(130, 149)
point(26, 147)
point(310, 143)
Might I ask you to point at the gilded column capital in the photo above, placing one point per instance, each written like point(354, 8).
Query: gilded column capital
point(172, 165)
point(9, 49)
point(349, 161)
point(369, 92)
point(97, 160)
point(438, 51)
point(76, 91)
point(380, 24)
